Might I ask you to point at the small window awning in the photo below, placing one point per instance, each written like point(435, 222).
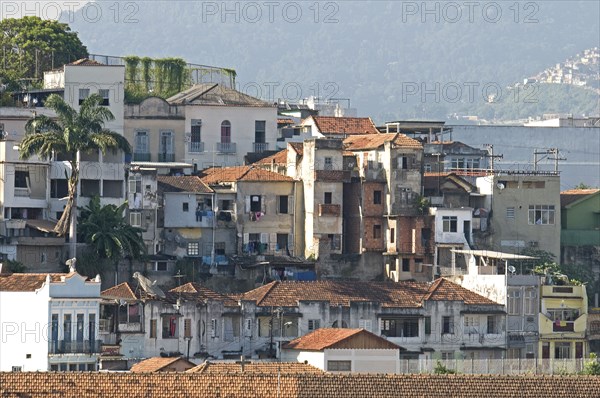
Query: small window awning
point(42, 225)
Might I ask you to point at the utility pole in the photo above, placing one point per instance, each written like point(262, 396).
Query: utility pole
point(556, 158)
point(490, 148)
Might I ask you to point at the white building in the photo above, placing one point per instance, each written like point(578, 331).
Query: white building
point(344, 350)
point(49, 322)
point(223, 125)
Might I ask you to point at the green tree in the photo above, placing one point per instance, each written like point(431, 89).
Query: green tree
point(31, 45)
point(107, 231)
point(69, 134)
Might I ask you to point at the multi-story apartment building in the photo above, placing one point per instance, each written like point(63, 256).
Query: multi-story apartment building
point(49, 322)
point(223, 125)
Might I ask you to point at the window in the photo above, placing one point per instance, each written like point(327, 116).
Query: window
point(392, 235)
point(510, 213)
point(129, 313)
point(541, 214)
point(418, 265)
point(161, 266)
point(226, 205)
point(427, 325)
point(185, 206)
point(83, 94)
point(220, 248)
point(135, 183)
point(166, 147)
point(196, 136)
point(339, 366)
point(141, 145)
point(152, 328)
point(376, 231)
point(193, 249)
point(401, 327)
point(226, 132)
point(447, 325)
point(402, 162)
point(255, 203)
point(376, 197)
point(314, 324)
point(450, 223)
point(67, 327)
point(406, 265)
point(447, 355)
point(562, 350)
point(328, 164)
point(327, 197)
point(364, 324)
point(59, 188)
point(187, 328)
point(282, 204)
point(260, 131)
point(492, 325)
point(214, 328)
point(21, 179)
point(427, 167)
point(471, 323)
point(17, 368)
point(282, 241)
point(135, 219)
point(530, 302)
point(335, 241)
point(514, 302)
point(104, 93)
point(169, 327)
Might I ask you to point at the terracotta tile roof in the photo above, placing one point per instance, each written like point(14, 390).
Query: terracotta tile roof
point(404, 294)
point(332, 175)
point(194, 291)
point(253, 385)
point(219, 175)
point(156, 364)
point(344, 125)
point(298, 147)
point(86, 62)
point(278, 158)
point(444, 290)
point(323, 338)
point(123, 291)
point(573, 195)
point(374, 141)
point(254, 367)
point(216, 95)
point(27, 282)
point(285, 121)
point(182, 184)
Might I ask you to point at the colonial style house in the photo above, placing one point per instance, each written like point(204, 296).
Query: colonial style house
point(49, 322)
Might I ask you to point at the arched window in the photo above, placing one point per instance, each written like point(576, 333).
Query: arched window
point(225, 132)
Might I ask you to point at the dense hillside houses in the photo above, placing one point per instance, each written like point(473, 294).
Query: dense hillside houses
point(275, 233)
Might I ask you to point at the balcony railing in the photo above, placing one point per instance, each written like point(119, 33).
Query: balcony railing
point(562, 326)
point(329, 210)
point(261, 147)
point(226, 147)
point(166, 157)
point(196, 147)
point(22, 192)
point(141, 157)
point(74, 347)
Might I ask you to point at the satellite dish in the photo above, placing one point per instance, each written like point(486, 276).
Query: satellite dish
point(500, 186)
point(512, 269)
point(149, 287)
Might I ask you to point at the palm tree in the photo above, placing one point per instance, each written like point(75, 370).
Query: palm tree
point(69, 134)
point(108, 232)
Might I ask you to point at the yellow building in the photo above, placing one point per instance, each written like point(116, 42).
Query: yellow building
point(563, 322)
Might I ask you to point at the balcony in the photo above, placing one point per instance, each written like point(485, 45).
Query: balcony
point(260, 147)
point(22, 192)
point(74, 347)
point(196, 147)
point(329, 210)
point(226, 147)
point(563, 326)
point(141, 157)
point(166, 157)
